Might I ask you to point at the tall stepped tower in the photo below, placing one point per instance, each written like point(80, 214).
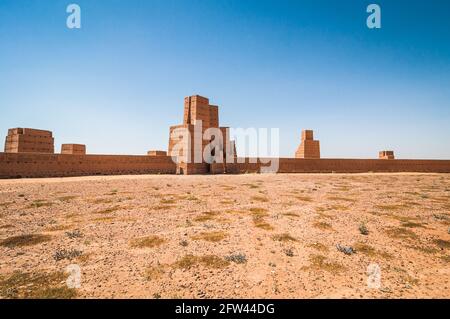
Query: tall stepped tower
point(188, 141)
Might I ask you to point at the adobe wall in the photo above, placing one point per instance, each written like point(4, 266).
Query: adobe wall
point(14, 165)
point(298, 165)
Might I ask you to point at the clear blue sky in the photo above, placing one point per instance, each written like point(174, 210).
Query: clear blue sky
point(119, 82)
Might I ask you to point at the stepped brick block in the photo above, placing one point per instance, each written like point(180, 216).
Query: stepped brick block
point(74, 149)
point(309, 148)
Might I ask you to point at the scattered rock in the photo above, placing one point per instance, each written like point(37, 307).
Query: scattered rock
point(184, 243)
point(237, 258)
point(289, 252)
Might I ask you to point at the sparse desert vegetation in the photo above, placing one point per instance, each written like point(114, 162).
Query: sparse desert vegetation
point(213, 236)
point(147, 242)
point(35, 285)
point(246, 236)
point(24, 240)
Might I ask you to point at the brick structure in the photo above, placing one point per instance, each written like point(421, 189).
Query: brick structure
point(157, 153)
point(27, 140)
point(74, 149)
point(24, 165)
point(309, 148)
point(29, 153)
point(386, 155)
point(188, 141)
point(15, 165)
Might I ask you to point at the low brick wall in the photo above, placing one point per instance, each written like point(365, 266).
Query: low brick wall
point(15, 165)
point(292, 165)
point(298, 165)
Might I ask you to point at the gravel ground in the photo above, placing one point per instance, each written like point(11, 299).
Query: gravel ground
point(236, 236)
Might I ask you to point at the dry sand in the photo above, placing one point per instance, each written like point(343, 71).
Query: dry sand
point(243, 236)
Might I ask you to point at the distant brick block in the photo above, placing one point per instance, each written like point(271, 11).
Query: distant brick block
point(27, 140)
point(386, 155)
point(157, 153)
point(74, 149)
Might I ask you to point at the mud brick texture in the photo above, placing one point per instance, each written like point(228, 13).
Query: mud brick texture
point(20, 165)
point(77, 149)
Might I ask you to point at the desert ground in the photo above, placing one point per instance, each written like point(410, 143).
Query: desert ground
point(227, 236)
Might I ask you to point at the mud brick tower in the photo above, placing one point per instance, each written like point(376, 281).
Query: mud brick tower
point(309, 148)
point(386, 155)
point(187, 142)
point(73, 149)
point(27, 140)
